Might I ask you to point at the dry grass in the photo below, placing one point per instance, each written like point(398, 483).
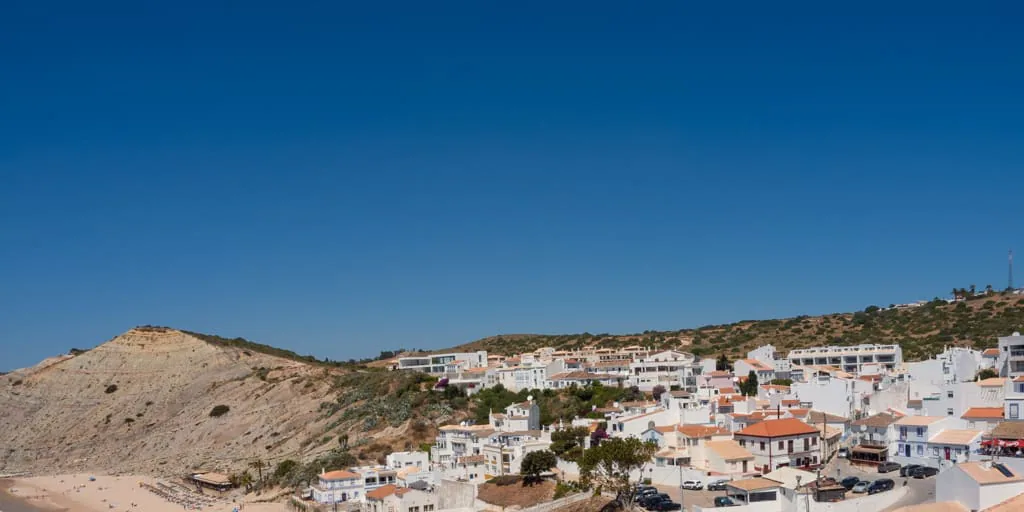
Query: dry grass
point(516, 494)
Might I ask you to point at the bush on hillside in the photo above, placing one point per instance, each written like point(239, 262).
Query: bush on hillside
point(111, 388)
point(219, 411)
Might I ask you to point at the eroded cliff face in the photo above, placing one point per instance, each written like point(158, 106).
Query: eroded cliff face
point(141, 403)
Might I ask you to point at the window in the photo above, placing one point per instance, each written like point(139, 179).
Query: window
point(949, 394)
point(743, 442)
point(920, 450)
point(920, 431)
point(935, 451)
point(903, 431)
point(782, 444)
point(814, 441)
point(949, 412)
point(1014, 411)
point(762, 446)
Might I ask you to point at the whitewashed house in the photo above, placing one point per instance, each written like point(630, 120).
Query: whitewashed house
point(398, 460)
point(983, 418)
point(338, 487)
point(517, 417)
point(764, 371)
point(913, 434)
point(978, 485)
point(778, 443)
point(955, 446)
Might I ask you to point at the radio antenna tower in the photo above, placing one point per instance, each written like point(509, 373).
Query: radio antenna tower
point(1009, 284)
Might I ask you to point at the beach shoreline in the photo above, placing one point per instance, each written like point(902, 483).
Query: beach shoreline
point(102, 493)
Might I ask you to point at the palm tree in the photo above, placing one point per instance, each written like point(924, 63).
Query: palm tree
point(245, 480)
point(258, 465)
point(988, 289)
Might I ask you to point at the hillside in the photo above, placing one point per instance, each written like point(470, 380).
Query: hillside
point(921, 331)
point(144, 402)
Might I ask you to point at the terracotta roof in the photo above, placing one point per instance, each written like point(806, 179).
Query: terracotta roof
point(918, 421)
point(381, 492)
point(679, 394)
point(340, 474)
point(763, 415)
point(753, 484)
point(757, 365)
point(778, 428)
point(1019, 379)
point(728, 390)
point(699, 431)
point(829, 432)
point(791, 402)
point(994, 382)
point(775, 387)
point(1013, 504)
point(955, 436)
point(471, 459)
point(666, 429)
point(799, 413)
point(671, 453)
point(581, 376)
point(639, 416)
point(880, 420)
point(914, 404)
point(985, 476)
point(983, 413)
point(824, 417)
point(1009, 430)
point(729, 450)
point(719, 373)
point(990, 352)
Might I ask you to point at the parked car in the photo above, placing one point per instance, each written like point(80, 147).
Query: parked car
point(886, 467)
point(843, 453)
point(653, 499)
point(849, 482)
point(722, 501)
point(717, 485)
point(666, 505)
point(923, 472)
point(693, 485)
point(882, 485)
point(905, 470)
point(861, 486)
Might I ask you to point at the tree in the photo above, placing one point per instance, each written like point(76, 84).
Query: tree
point(258, 465)
point(562, 441)
point(749, 386)
point(723, 364)
point(988, 289)
point(657, 391)
point(987, 373)
point(606, 467)
point(972, 290)
point(782, 382)
point(536, 464)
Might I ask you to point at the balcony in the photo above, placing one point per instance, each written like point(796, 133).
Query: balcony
point(1016, 353)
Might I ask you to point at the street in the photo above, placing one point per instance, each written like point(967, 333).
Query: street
point(919, 491)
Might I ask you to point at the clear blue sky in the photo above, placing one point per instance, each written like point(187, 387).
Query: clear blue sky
point(348, 177)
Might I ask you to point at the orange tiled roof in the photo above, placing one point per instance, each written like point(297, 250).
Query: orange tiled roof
point(382, 492)
point(699, 430)
point(991, 352)
point(983, 413)
point(340, 474)
point(729, 390)
point(778, 428)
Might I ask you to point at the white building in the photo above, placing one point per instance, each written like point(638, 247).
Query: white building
point(828, 394)
point(764, 371)
point(530, 375)
point(983, 418)
point(440, 364)
point(849, 359)
point(1011, 355)
point(456, 441)
point(1014, 399)
point(778, 443)
point(400, 499)
point(978, 485)
point(955, 446)
point(338, 487)
point(517, 417)
point(581, 378)
point(912, 436)
point(399, 460)
point(661, 368)
point(767, 354)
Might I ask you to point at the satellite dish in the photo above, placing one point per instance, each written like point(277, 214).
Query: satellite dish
point(863, 428)
point(529, 398)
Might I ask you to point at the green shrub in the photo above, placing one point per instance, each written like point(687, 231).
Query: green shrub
point(110, 389)
point(219, 411)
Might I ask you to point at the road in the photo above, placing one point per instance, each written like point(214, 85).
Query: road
point(919, 491)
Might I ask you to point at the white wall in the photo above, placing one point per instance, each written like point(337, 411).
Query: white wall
point(834, 396)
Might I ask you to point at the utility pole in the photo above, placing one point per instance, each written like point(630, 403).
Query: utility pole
point(1009, 284)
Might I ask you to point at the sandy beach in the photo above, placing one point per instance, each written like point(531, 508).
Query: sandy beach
point(76, 493)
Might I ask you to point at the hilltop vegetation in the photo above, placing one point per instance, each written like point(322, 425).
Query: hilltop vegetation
point(922, 331)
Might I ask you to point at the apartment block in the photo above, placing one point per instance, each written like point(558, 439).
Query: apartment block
point(850, 359)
